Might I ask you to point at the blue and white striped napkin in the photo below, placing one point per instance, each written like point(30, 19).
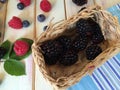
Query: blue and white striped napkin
point(106, 77)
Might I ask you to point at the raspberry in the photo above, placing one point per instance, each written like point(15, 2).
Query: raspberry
point(26, 2)
point(2, 52)
point(93, 51)
point(69, 58)
point(15, 23)
point(51, 50)
point(21, 47)
point(80, 2)
point(45, 5)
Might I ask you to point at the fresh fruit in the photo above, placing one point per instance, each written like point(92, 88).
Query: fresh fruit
point(92, 52)
point(68, 58)
point(26, 23)
point(41, 18)
point(80, 43)
point(65, 41)
point(45, 5)
point(50, 61)
point(21, 47)
point(83, 26)
point(2, 52)
point(97, 38)
point(51, 49)
point(20, 6)
point(80, 2)
point(45, 27)
point(3, 1)
point(25, 2)
point(15, 23)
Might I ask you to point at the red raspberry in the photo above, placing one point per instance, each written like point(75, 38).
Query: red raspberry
point(26, 2)
point(15, 23)
point(45, 5)
point(21, 47)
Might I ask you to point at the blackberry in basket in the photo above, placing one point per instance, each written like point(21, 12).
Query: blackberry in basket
point(83, 26)
point(92, 52)
point(80, 43)
point(79, 2)
point(69, 58)
point(65, 41)
point(51, 50)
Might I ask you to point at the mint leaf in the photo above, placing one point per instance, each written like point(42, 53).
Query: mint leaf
point(14, 67)
point(8, 46)
point(14, 56)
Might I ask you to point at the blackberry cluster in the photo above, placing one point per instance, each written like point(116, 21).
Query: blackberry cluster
point(93, 51)
point(80, 43)
point(83, 26)
point(51, 50)
point(69, 58)
point(80, 2)
point(2, 52)
point(65, 41)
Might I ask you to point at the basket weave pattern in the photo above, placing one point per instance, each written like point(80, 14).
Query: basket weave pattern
point(63, 77)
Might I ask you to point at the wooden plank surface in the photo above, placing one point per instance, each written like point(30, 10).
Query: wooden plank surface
point(58, 13)
point(69, 10)
point(3, 10)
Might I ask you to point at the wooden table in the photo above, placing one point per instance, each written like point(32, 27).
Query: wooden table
point(63, 9)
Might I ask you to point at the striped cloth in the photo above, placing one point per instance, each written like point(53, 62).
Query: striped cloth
point(106, 77)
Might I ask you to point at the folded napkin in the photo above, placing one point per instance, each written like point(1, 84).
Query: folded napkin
point(106, 77)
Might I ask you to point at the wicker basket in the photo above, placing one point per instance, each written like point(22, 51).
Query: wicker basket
point(63, 77)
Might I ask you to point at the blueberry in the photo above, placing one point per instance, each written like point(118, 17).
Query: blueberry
point(20, 6)
point(41, 18)
point(3, 1)
point(44, 28)
point(26, 23)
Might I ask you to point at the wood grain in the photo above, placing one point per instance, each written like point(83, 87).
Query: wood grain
point(3, 10)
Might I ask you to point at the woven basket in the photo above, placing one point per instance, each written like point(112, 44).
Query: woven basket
point(62, 77)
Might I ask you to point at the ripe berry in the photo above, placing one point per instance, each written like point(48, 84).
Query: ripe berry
point(45, 5)
point(41, 18)
point(21, 47)
point(80, 2)
point(51, 50)
point(83, 27)
point(3, 1)
point(65, 41)
point(92, 52)
point(15, 23)
point(68, 58)
point(20, 6)
point(26, 23)
point(2, 52)
point(80, 43)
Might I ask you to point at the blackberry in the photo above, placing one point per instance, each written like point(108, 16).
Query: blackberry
point(69, 58)
point(65, 41)
point(83, 26)
point(2, 52)
point(51, 50)
point(92, 52)
point(20, 6)
point(50, 61)
point(80, 43)
point(80, 2)
point(97, 38)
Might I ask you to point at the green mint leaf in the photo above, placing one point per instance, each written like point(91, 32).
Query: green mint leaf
point(14, 67)
point(8, 46)
point(14, 56)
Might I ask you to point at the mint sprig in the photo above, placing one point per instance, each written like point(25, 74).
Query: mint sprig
point(12, 63)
